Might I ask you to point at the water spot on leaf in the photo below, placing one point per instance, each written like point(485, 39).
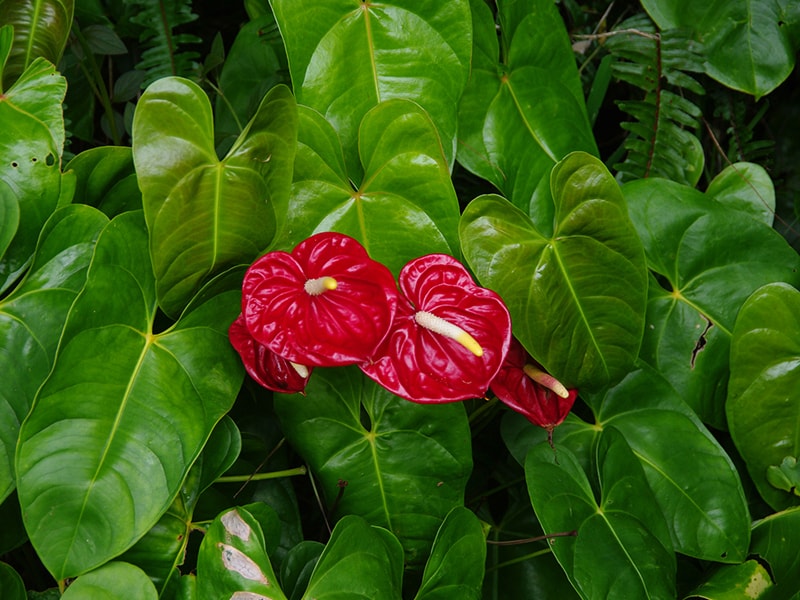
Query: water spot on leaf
point(235, 525)
point(237, 561)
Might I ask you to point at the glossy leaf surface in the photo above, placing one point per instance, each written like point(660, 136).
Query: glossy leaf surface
point(749, 45)
point(746, 186)
point(763, 406)
point(233, 561)
point(112, 434)
point(522, 114)
point(695, 482)
point(205, 214)
point(775, 540)
point(9, 216)
point(749, 580)
point(41, 28)
point(345, 57)
point(636, 559)
point(402, 204)
point(405, 467)
point(106, 179)
point(32, 317)
point(576, 292)
point(112, 581)
point(708, 259)
point(456, 564)
point(359, 561)
point(30, 157)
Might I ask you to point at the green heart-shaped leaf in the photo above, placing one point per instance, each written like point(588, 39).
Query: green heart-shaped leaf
point(763, 406)
point(708, 259)
point(405, 206)
point(106, 179)
point(346, 57)
point(575, 291)
point(405, 465)
point(456, 564)
point(359, 561)
point(519, 117)
point(32, 317)
point(621, 543)
point(775, 540)
point(746, 186)
point(124, 412)
point(205, 214)
point(30, 158)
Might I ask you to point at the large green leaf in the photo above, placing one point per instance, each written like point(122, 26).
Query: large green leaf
point(233, 561)
point(347, 56)
point(775, 541)
point(621, 548)
point(32, 317)
point(763, 404)
point(9, 216)
point(523, 109)
point(359, 561)
point(125, 410)
point(749, 43)
point(30, 157)
point(456, 564)
point(205, 214)
point(110, 582)
point(694, 482)
point(405, 464)
point(708, 258)
point(575, 289)
point(404, 207)
point(41, 28)
point(746, 186)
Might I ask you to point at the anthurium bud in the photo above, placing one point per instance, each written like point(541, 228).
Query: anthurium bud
point(523, 385)
point(264, 366)
point(327, 303)
point(449, 336)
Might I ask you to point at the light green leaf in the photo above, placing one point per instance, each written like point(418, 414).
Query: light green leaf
point(746, 186)
point(41, 29)
point(636, 560)
point(405, 465)
point(746, 581)
point(708, 258)
point(9, 216)
point(205, 215)
point(404, 207)
point(110, 582)
point(575, 290)
point(775, 541)
point(359, 561)
point(456, 564)
point(125, 411)
point(763, 405)
point(346, 57)
point(30, 158)
point(32, 317)
point(233, 561)
point(524, 112)
point(748, 43)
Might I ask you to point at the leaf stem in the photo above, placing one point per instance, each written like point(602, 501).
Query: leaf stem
point(301, 470)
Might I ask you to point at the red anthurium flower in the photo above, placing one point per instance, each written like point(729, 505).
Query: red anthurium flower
point(267, 368)
point(325, 304)
point(449, 337)
point(524, 386)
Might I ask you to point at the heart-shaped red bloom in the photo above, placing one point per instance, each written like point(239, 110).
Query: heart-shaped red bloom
point(448, 339)
point(325, 304)
point(264, 366)
point(539, 403)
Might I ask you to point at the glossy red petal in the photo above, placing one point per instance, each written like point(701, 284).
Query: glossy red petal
point(339, 326)
point(540, 405)
point(424, 366)
point(264, 366)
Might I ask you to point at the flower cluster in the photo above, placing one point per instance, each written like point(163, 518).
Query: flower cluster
point(434, 336)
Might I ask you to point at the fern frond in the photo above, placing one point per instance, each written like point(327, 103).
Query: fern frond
point(661, 140)
point(164, 54)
